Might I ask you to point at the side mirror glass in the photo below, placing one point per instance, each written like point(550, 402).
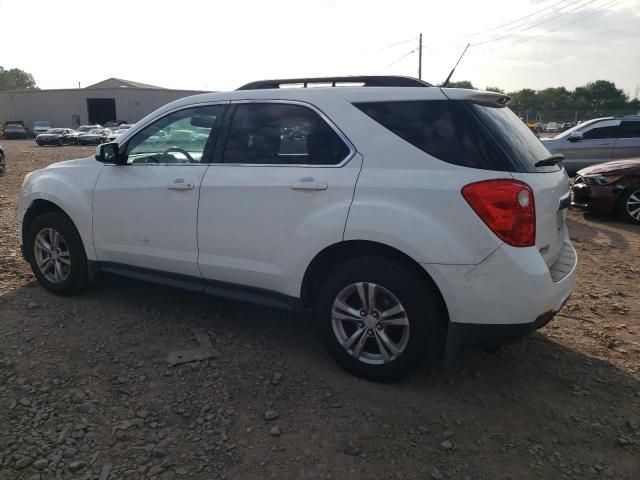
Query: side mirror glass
point(575, 136)
point(109, 153)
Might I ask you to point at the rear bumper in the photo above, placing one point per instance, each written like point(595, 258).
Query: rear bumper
point(509, 295)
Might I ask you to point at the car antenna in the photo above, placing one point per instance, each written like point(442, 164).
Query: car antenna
point(446, 82)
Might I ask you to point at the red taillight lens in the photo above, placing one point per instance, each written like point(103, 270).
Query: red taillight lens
point(507, 207)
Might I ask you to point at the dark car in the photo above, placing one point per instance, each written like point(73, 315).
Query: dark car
point(3, 163)
point(94, 137)
point(609, 187)
point(14, 131)
point(57, 136)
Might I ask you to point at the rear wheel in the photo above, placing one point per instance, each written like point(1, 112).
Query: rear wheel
point(378, 319)
point(56, 254)
point(60, 142)
point(630, 205)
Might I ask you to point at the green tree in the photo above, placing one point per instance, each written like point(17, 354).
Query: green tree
point(461, 84)
point(16, 79)
point(524, 100)
point(494, 89)
point(600, 95)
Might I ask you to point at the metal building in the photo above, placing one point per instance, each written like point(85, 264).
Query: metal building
point(113, 99)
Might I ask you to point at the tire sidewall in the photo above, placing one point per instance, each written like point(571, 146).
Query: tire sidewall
point(78, 272)
point(417, 298)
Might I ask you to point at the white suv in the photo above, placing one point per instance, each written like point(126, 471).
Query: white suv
point(410, 219)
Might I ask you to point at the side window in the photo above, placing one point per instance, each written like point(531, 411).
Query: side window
point(602, 132)
point(630, 130)
point(180, 137)
point(280, 133)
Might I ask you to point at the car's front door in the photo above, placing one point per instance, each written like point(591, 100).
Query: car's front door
point(628, 142)
point(145, 212)
point(596, 145)
point(280, 191)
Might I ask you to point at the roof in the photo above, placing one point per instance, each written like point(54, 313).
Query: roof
point(120, 83)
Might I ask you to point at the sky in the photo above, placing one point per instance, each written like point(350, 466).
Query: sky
point(214, 45)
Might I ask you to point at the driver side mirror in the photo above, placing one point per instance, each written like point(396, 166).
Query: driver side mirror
point(109, 153)
point(575, 136)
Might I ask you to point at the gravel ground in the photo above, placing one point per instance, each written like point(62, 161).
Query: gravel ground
point(86, 391)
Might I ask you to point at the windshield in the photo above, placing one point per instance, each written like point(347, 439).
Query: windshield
point(42, 124)
point(56, 131)
point(95, 131)
point(514, 137)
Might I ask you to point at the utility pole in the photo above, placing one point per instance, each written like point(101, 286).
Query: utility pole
point(420, 58)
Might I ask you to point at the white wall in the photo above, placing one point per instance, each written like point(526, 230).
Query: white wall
point(58, 106)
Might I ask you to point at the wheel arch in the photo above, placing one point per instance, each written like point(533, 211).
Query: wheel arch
point(37, 208)
point(331, 256)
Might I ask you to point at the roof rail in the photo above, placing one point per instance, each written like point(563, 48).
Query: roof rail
point(365, 81)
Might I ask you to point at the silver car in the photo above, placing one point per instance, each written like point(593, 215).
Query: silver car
point(597, 141)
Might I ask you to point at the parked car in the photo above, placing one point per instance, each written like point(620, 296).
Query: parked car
point(597, 141)
point(87, 128)
point(611, 187)
point(401, 239)
point(3, 162)
point(117, 131)
point(551, 127)
point(41, 126)
point(14, 131)
point(94, 137)
point(57, 136)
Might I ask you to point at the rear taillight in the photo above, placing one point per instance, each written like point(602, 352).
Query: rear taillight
point(507, 207)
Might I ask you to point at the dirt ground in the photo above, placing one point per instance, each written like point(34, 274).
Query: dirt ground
point(86, 391)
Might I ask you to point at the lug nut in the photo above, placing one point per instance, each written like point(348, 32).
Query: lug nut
point(370, 333)
point(363, 313)
point(360, 325)
point(379, 326)
point(375, 314)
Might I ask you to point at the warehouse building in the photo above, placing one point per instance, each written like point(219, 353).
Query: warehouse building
point(113, 99)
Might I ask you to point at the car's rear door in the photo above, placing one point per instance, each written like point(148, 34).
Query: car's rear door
point(279, 192)
point(627, 145)
point(145, 212)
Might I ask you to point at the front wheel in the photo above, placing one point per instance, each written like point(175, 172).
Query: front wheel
point(60, 142)
point(378, 319)
point(56, 254)
point(630, 205)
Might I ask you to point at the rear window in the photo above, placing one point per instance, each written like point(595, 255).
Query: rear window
point(462, 133)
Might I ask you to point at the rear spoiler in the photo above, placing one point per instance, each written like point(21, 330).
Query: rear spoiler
point(492, 99)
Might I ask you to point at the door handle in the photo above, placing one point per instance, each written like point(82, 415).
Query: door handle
point(181, 186)
point(309, 186)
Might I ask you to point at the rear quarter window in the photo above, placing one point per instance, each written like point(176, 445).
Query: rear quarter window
point(462, 133)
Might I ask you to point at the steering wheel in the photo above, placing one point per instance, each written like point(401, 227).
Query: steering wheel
point(179, 150)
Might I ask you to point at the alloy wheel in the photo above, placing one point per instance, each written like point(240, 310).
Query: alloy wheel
point(52, 255)
point(370, 323)
point(633, 205)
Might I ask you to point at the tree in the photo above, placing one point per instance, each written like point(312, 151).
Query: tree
point(600, 95)
point(494, 89)
point(461, 84)
point(16, 79)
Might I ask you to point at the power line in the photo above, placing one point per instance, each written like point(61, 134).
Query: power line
point(401, 58)
point(602, 9)
point(534, 25)
point(518, 19)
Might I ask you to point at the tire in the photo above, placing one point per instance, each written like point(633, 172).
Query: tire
point(3, 165)
point(60, 142)
point(629, 206)
point(74, 274)
point(393, 284)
